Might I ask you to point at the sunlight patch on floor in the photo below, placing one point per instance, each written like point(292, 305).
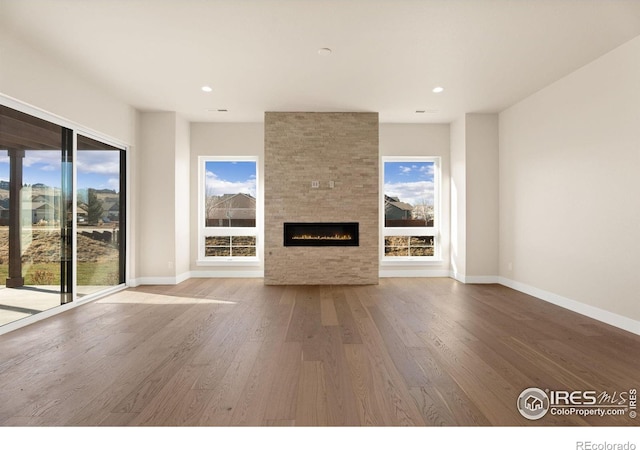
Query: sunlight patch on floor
point(156, 299)
point(18, 303)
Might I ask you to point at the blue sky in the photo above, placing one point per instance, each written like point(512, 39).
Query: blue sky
point(230, 177)
point(411, 182)
point(98, 169)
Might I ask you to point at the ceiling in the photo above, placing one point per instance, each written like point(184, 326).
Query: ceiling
point(262, 55)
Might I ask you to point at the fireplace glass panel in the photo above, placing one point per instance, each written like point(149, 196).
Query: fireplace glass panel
point(320, 234)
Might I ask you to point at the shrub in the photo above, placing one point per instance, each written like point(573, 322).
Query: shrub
point(43, 277)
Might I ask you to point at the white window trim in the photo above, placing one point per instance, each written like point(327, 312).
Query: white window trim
point(413, 231)
point(203, 231)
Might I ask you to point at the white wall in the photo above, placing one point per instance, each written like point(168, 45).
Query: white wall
point(482, 222)
point(156, 233)
point(474, 198)
point(421, 140)
point(458, 199)
point(222, 139)
point(570, 190)
point(182, 197)
point(32, 77)
point(163, 195)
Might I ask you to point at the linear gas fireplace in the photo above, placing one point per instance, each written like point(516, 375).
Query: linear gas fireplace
point(321, 234)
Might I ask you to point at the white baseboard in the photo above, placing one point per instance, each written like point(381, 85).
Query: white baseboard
point(482, 279)
point(183, 277)
point(153, 280)
point(135, 282)
point(613, 319)
point(471, 279)
point(458, 277)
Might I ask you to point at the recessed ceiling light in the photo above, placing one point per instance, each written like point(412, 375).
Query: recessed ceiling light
point(437, 89)
point(325, 51)
point(206, 88)
point(420, 111)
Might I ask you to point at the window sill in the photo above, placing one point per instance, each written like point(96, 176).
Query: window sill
point(222, 261)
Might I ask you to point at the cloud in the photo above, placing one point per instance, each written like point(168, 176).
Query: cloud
point(101, 162)
point(417, 170)
point(114, 183)
point(428, 169)
point(405, 169)
point(50, 159)
point(414, 192)
point(216, 186)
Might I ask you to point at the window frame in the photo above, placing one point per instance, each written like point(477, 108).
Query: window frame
point(413, 231)
point(208, 231)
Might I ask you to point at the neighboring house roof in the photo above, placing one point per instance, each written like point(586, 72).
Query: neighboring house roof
point(110, 206)
point(235, 206)
point(38, 205)
point(395, 202)
point(239, 198)
point(400, 205)
point(234, 213)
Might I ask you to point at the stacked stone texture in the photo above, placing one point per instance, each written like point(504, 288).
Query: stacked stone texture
point(305, 147)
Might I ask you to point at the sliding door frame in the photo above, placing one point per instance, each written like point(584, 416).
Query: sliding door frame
point(74, 129)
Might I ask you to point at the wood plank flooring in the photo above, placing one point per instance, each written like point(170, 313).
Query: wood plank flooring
point(226, 352)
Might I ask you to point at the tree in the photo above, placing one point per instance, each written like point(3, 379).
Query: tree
point(94, 207)
point(424, 211)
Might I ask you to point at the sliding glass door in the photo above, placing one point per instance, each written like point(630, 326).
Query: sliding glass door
point(52, 249)
point(35, 195)
point(100, 215)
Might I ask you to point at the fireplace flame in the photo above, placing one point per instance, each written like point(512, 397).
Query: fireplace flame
point(315, 237)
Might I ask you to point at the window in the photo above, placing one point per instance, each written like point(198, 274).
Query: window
point(228, 209)
point(411, 210)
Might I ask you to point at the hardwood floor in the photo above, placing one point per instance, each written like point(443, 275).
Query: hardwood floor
point(235, 352)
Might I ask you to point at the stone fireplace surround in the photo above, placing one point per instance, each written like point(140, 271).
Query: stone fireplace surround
point(339, 151)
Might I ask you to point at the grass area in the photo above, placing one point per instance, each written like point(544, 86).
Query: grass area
point(103, 273)
point(97, 260)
